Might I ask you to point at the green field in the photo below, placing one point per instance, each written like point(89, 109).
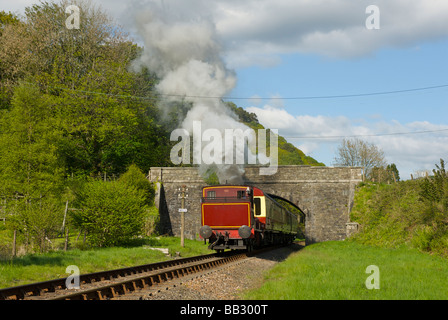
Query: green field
point(52, 265)
point(337, 270)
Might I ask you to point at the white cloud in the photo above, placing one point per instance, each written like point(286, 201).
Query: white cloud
point(333, 28)
point(410, 152)
point(258, 31)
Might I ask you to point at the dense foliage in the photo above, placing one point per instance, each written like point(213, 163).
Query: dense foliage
point(112, 212)
point(71, 109)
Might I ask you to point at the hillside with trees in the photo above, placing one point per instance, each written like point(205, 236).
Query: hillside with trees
point(288, 154)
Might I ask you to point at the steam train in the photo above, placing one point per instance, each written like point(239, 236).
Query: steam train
point(244, 217)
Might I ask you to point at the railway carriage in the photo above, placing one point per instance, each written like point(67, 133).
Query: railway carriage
point(243, 217)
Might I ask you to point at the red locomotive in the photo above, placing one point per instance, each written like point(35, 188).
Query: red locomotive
point(243, 217)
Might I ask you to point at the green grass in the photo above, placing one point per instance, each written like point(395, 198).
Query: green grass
point(40, 267)
point(337, 270)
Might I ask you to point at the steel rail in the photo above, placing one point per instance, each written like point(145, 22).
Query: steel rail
point(124, 280)
point(132, 284)
point(37, 289)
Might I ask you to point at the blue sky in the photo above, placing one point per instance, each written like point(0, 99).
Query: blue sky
point(388, 69)
point(294, 48)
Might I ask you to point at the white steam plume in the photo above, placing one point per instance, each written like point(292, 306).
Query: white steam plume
point(183, 51)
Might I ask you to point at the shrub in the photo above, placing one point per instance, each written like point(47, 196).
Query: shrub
point(36, 220)
point(111, 212)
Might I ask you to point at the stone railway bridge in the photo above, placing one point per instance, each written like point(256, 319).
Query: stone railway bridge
point(325, 195)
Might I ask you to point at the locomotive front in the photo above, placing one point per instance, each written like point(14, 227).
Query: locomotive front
point(228, 217)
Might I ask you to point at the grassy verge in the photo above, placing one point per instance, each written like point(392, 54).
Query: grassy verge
point(398, 214)
point(52, 265)
point(337, 270)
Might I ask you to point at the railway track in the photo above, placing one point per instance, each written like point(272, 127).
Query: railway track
point(111, 284)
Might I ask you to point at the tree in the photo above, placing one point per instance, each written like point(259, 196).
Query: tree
point(134, 177)
point(103, 126)
point(31, 175)
point(359, 153)
point(29, 163)
point(434, 194)
point(6, 20)
point(393, 173)
point(387, 174)
point(435, 188)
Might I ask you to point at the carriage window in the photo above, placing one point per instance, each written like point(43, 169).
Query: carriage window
point(257, 205)
point(211, 194)
point(241, 194)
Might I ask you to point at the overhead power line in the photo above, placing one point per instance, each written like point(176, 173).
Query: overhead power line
point(368, 135)
point(183, 96)
point(314, 97)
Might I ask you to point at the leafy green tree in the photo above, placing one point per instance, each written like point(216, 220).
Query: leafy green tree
point(7, 18)
point(31, 174)
point(111, 212)
point(134, 177)
point(29, 163)
point(70, 107)
point(8, 21)
point(104, 127)
point(435, 189)
point(394, 174)
point(387, 174)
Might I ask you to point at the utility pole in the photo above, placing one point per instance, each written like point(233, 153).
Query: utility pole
point(182, 210)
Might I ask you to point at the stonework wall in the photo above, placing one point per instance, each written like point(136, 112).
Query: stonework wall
point(325, 194)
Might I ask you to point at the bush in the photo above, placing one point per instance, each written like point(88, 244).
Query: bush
point(36, 220)
point(112, 213)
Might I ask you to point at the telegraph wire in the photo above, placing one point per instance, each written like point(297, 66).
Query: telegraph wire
point(287, 98)
point(182, 96)
point(368, 135)
point(344, 96)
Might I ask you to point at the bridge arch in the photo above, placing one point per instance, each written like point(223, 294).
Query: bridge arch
point(275, 197)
